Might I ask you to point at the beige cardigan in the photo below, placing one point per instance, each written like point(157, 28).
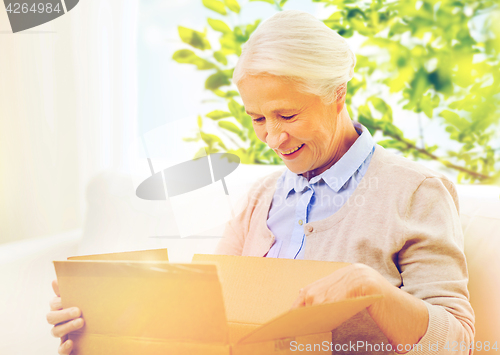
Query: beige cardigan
point(402, 220)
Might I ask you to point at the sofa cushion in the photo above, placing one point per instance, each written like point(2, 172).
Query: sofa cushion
point(481, 224)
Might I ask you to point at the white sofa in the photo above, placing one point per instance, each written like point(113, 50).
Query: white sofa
point(119, 221)
point(480, 216)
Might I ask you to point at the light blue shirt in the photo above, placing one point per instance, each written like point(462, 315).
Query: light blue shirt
point(297, 201)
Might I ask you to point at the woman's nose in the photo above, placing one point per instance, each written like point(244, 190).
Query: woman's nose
point(275, 138)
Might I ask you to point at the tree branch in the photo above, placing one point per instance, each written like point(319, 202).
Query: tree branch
point(445, 162)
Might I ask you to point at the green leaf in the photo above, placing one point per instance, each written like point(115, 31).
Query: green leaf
point(218, 114)
point(391, 129)
point(431, 149)
point(212, 139)
point(398, 28)
point(283, 2)
point(191, 139)
point(246, 121)
point(189, 57)
point(193, 38)
point(233, 5)
point(232, 93)
point(251, 28)
point(200, 122)
point(393, 143)
point(215, 5)
point(220, 57)
point(346, 33)
point(234, 108)
point(229, 44)
point(219, 25)
point(200, 153)
point(225, 94)
point(216, 80)
point(368, 123)
point(454, 119)
point(419, 86)
point(230, 126)
point(239, 36)
point(334, 20)
point(229, 72)
point(364, 110)
point(428, 104)
point(268, 1)
point(441, 81)
point(382, 107)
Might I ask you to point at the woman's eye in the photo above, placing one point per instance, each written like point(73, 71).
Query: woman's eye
point(287, 117)
point(260, 119)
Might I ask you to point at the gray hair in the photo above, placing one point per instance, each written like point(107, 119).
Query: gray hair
point(297, 46)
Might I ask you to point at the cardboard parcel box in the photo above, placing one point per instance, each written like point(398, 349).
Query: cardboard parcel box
point(139, 303)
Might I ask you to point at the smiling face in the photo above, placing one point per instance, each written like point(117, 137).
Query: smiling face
point(308, 135)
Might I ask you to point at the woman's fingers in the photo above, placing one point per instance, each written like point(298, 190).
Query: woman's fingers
point(63, 320)
point(348, 282)
point(65, 347)
point(55, 287)
point(63, 315)
point(55, 304)
point(61, 330)
point(300, 300)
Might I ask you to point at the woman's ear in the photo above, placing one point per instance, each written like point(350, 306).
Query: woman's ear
point(340, 96)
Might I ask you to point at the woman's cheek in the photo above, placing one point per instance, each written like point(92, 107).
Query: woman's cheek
point(260, 131)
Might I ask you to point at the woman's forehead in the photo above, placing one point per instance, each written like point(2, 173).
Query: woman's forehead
point(271, 94)
point(268, 87)
point(265, 79)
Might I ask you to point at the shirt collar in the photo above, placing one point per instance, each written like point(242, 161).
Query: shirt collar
point(340, 172)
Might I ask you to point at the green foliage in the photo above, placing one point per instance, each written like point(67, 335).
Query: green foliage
point(423, 52)
point(194, 38)
point(188, 56)
point(233, 5)
point(215, 5)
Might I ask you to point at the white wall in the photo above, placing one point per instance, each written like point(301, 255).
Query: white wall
point(67, 111)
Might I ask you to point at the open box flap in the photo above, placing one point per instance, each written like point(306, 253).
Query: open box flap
point(257, 289)
point(141, 255)
point(145, 299)
point(309, 320)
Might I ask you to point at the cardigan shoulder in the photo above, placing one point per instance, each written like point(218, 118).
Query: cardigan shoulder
point(407, 175)
point(394, 164)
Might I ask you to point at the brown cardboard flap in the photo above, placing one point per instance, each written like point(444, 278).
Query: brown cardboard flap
point(92, 344)
point(309, 320)
point(141, 255)
point(257, 289)
point(314, 344)
point(238, 330)
point(145, 299)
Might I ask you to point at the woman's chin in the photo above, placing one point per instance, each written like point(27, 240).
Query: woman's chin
point(295, 168)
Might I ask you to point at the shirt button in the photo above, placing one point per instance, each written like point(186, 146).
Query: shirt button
point(310, 229)
point(300, 222)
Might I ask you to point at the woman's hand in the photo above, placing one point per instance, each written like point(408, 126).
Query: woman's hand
point(352, 281)
point(403, 318)
point(65, 321)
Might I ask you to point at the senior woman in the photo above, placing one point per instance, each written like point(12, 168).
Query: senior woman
point(342, 198)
